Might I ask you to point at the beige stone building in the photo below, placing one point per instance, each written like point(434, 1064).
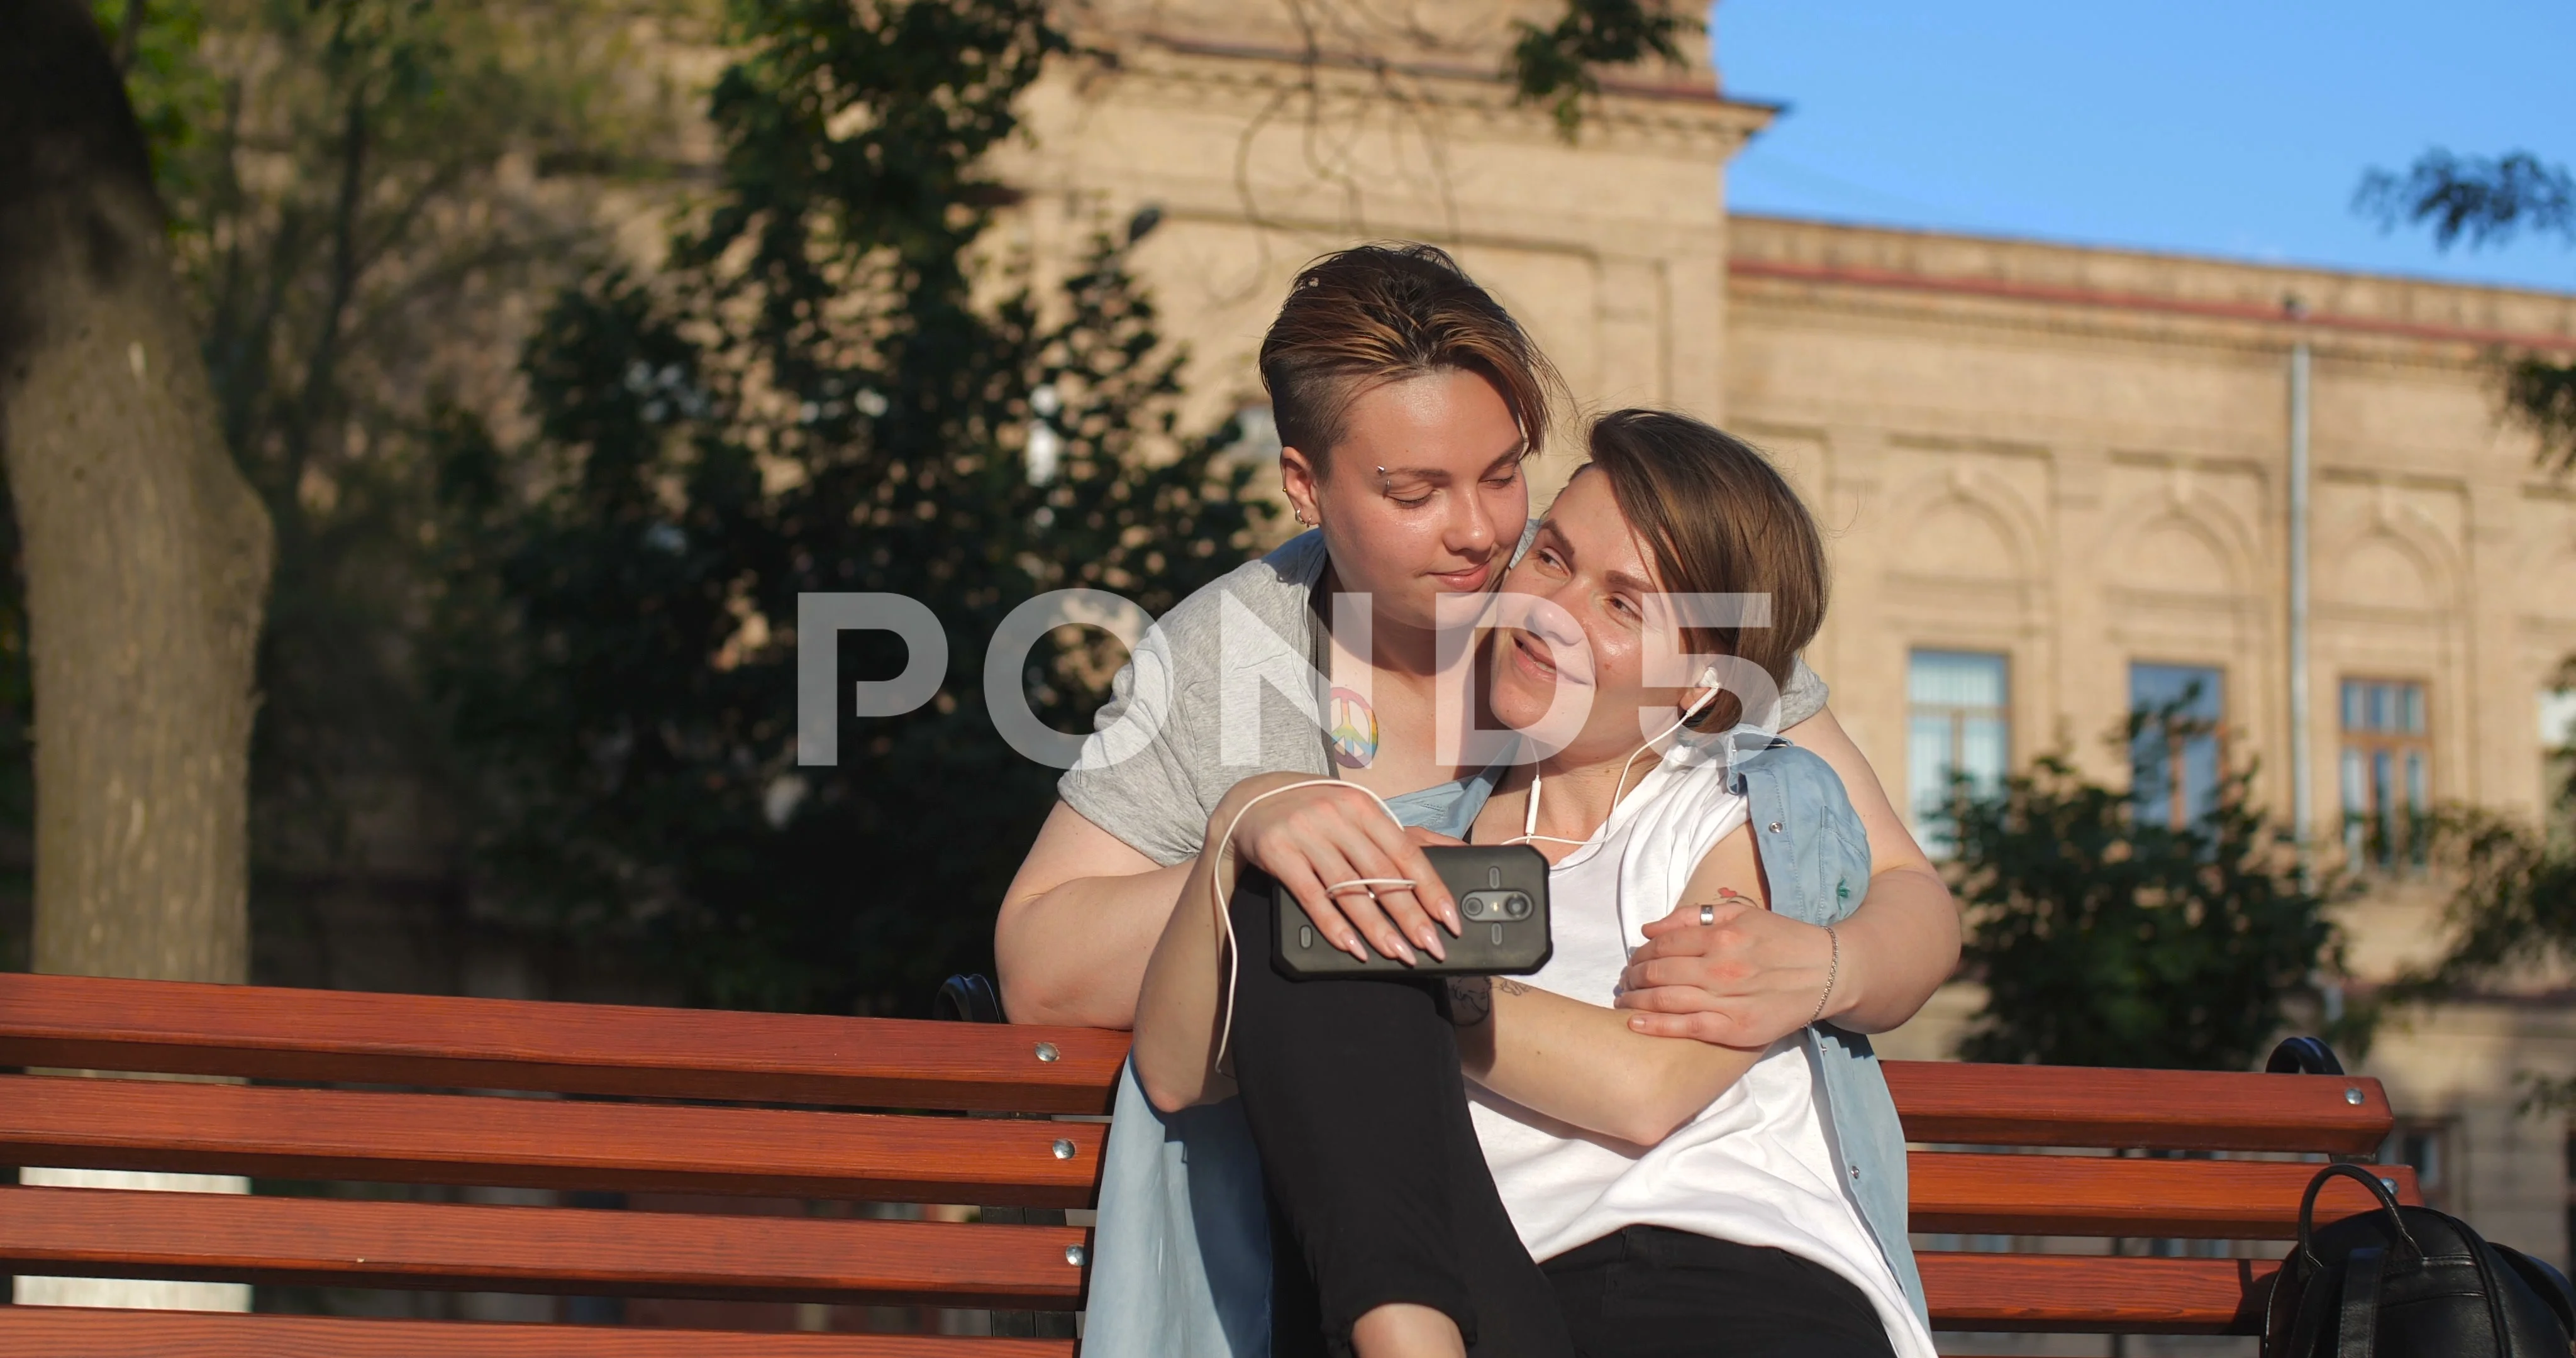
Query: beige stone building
point(2058, 479)
point(2058, 476)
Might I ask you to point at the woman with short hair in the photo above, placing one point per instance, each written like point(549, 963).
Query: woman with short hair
point(1408, 402)
point(1681, 1197)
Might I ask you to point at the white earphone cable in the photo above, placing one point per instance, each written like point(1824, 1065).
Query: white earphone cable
point(1529, 820)
point(1225, 915)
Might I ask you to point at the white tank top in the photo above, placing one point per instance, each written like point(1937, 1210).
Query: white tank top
point(1756, 1166)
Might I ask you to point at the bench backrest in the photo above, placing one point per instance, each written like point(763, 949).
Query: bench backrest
point(659, 1100)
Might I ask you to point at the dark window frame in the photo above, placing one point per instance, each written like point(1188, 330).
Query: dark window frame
point(2384, 754)
point(2179, 794)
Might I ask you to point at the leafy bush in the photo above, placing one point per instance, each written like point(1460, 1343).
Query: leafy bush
point(829, 387)
point(2106, 941)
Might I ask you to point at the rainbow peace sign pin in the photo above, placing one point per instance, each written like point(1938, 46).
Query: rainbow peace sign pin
point(1353, 729)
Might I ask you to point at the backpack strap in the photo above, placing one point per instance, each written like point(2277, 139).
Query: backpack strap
point(2306, 1311)
point(2378, 1189)
point(2545, 1280)
point(2358, 1335)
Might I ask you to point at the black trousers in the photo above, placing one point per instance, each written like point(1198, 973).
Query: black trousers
point(1379, 1194)
point(1649, 1292)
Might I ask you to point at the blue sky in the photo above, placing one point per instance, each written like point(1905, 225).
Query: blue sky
point(2234, 129)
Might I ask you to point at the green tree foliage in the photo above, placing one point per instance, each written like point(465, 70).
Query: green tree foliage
point(2511, 917)
point(1559, 65)
point(829, 388)
point(2512, 910)
point(2489, 202)
point(2484, 201)
point(2103, 940)
point(175, 95)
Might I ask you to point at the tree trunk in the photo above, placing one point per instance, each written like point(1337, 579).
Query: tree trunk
point(146, 557)
point(147, 554)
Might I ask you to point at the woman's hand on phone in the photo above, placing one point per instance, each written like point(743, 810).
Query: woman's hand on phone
point(1311, 838)
point(1746, 979)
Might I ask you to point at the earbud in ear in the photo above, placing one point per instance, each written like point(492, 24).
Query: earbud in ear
point(1708, 679)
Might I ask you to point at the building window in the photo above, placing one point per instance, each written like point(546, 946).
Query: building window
point(2387, 771)
point(2427, 1147)
point(1959, 723)
point(2557, 747)
point(2177, 755)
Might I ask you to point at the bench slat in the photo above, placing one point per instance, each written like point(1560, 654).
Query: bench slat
point(73, 1332)
point(452, 1042)
point(323, 1242)
point(446, 1042)
point(109, 1233)
point(469, 1044)
point(1945, 1101)
point(450, 1139)
point(541, 1143)
point(2094, 1294)
point(2100, 1195)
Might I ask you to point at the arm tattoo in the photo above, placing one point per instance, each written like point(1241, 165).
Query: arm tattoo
point(1471, 1001)
point(1510, 987)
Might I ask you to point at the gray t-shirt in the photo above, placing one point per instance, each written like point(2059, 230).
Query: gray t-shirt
point(1226, 686)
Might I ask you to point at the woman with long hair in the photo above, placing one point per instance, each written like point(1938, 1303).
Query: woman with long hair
point(1407, 402)
point(1680, 1197)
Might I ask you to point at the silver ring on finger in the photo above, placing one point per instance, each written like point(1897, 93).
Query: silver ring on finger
point(1707, 914)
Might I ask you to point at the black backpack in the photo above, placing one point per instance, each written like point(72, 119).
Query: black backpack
point(2410, 1282)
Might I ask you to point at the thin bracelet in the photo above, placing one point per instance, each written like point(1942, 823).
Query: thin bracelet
point(1832, 969)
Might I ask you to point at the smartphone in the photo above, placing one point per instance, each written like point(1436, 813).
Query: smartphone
point(1502, 900)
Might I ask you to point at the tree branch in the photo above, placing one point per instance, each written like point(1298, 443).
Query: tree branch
point(2541, 393)
point(2485, 200)
point(322, 367)
point(1557, 66)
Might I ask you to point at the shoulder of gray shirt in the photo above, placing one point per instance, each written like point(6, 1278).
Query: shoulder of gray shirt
point(1151, 770)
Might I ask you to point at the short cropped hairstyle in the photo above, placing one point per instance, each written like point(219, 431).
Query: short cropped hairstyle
point(1719, 519)
point(1372, 314)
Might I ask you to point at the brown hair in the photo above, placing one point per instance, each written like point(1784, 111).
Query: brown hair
point(1720, 519)
point(1372, 314)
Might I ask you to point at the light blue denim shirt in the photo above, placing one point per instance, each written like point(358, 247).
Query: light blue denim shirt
point(1181, 1254)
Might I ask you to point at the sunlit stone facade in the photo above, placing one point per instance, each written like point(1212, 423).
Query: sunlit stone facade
point(2068, 461)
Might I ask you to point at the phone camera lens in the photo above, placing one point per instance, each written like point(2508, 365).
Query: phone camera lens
point(1516, 906)
point(1475, 905)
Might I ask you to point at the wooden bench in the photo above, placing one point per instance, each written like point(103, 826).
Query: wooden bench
point(684, 1101)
